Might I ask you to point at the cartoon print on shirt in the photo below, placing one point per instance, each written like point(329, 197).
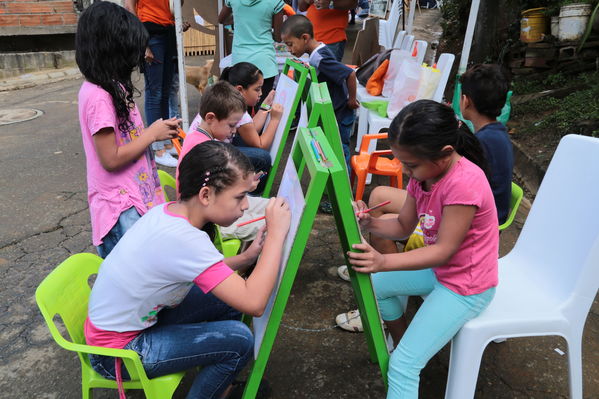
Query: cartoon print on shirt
point(426, 221)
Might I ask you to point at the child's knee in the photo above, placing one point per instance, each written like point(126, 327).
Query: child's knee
point(242, 339)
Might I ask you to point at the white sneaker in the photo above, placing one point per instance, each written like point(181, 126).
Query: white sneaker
point(350, 321)
point(343, 272)
point(166, 160)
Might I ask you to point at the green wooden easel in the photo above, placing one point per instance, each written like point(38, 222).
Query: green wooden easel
point(334, 180)
point(322, 114)
point(304, 75)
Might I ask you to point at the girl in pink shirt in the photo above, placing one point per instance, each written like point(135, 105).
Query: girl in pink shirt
point(450, 196)
point(121, 173)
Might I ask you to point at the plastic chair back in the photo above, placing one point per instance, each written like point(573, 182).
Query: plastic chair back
point(407, 42)
point(515, 200)
point(65, 292)
point(552, 234)
point(444, 64)
point(421, 45)
point(387, 28)
point(166, 180)
point(399, 39)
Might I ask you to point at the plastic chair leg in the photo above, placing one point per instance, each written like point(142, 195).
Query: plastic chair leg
point(461, 381)
point(575, 364)
point(86, 391)
point(361, 185)
point(362, 125)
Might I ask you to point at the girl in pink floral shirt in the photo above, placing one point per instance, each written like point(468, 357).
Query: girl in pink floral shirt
point(121, 174)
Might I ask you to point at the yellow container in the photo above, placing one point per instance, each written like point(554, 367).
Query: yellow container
point(533, 25)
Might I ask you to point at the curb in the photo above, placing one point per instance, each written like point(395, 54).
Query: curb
point(526, 169)
point(39, 78)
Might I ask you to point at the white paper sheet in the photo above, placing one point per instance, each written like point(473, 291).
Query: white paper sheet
point(291, 190)
point(285, 94)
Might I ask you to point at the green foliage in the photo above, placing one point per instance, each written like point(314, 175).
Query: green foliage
point(558, 117)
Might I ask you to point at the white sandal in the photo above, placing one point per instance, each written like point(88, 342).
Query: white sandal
point(343, 273)
point(350, 321)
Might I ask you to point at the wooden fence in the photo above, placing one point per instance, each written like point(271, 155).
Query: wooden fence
point(199, 43)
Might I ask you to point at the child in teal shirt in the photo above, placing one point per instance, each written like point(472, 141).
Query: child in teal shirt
point(256, 22)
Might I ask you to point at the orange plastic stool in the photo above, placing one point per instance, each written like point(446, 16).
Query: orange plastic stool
point(375, 163)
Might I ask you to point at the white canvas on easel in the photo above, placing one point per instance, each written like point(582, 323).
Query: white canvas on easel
point(291, 190)
point(285, 94)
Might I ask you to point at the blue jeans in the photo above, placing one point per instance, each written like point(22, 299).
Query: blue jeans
point(439, 318)
point(337, 49)
point(346, 125)
point(124, 223)
point(260, 159)
point(201, 331)
point(173, 98)
point(158, 77)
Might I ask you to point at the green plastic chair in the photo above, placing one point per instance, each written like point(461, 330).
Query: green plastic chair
point(166, 180)
point(517, 195)
point(228, 248)
point(65, 292)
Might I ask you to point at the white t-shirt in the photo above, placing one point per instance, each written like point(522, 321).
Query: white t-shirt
point(153, 266)
point(245, 119)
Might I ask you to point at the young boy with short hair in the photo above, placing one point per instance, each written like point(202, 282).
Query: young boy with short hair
point(484, 90)
point(298, 34)
point(221, 108)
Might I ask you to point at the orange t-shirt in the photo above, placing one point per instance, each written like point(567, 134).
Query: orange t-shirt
point(329, 25)
point(156, 11)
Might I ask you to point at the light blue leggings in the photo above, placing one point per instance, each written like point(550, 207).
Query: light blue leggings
point(439, 318)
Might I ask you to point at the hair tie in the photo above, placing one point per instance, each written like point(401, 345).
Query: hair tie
point(207, 179)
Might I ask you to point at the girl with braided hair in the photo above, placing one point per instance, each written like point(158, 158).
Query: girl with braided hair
point(181, 309)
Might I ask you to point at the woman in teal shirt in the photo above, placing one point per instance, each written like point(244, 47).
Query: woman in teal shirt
point(256, 22)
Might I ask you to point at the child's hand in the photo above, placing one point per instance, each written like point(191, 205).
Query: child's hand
point(368, 261)
point(276, 111)
point(269, 98)
point(352, 103)
point(164, 129)
point(278, 217)
point(254, 250)
point(364, 219)
point(257, 177)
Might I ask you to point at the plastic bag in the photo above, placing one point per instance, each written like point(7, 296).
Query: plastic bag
point(405, 88)
point(429, 80)
point(374, 86)
point(395, 61)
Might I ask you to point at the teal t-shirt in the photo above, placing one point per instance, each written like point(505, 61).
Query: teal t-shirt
point(252, 39)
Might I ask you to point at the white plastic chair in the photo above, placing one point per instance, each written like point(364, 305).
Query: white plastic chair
point(387, 28)
point(548, 282)
point(403, 41)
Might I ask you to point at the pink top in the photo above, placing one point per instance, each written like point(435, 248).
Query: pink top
point(126, 300)
point(111, 193)
point(473, 268)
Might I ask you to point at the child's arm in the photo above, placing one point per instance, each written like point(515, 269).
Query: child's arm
point(251, 296)
point(250, 255)
point(352, 102)
point(112, 157)
point(261, 115)
point(277, 21)
point(390, 228)
point(455, 223)
point(250, 135)
point(225, 13)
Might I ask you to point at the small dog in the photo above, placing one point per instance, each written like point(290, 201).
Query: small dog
point(198, 76)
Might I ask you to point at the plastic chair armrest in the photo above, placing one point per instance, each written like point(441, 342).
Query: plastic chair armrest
point(375, 156)
point(369, 137)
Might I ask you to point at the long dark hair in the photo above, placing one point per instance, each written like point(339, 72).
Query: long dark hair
point(215, 164)
point(426, 126)
point(110, 43)
point(242, 74)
